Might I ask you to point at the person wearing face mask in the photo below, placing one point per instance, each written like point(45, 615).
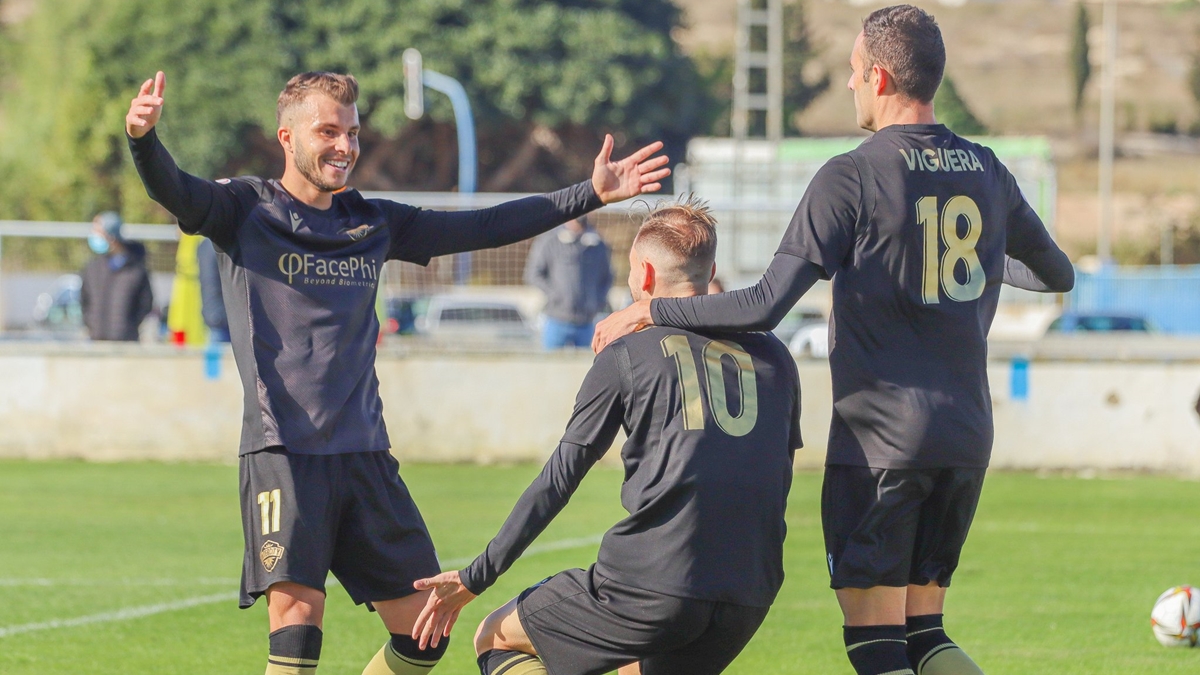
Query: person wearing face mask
point(571, 265)
point(116, 295)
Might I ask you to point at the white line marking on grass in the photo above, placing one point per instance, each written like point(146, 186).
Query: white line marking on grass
point(119, 615)
point(150, 610)
point(49, 583)
point(549, 547)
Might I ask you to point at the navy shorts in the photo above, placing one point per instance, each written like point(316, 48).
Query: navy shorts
point(895, 527)
point(582, 623)
point(304, 516)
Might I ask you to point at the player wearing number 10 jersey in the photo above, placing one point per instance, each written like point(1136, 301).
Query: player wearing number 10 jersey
point(917, 228)
point(684, 581)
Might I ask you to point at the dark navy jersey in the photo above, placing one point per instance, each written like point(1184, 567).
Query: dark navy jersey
point(712, 424)
point(913, 227)
point(300, 284)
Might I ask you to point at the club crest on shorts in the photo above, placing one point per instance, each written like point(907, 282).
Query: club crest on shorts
point(270, 553)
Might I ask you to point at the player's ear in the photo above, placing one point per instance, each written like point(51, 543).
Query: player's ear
point(712, 274)
point(648, 273)
point(880, 79)
point(285, 138)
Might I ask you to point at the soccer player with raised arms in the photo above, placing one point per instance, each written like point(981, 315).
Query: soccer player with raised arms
point(917, 228)
point(685, 580)
point(300, 259)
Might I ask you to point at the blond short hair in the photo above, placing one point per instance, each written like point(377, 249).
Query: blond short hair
point(341, 88)
point(686, 232)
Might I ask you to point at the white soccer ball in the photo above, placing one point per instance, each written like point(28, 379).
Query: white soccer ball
point(1176, 617)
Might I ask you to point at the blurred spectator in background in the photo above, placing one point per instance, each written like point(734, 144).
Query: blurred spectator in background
point(571, 265)
point(212, 303)
point(115, 295)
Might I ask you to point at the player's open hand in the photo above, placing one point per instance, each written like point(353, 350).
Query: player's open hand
point(637, 174)
point(146, 107)
point(437, 619)
point(621, 323)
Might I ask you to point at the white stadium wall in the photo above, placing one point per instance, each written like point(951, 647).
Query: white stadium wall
point(112, 402)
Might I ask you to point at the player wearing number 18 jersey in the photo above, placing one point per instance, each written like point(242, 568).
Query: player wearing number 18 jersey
point(684, 581)
point(917, 228)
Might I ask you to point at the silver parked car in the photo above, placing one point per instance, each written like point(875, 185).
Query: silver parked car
point(475, 319)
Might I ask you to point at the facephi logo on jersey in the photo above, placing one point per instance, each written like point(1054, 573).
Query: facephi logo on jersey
point(313, 269)
point(269, 554)
point(941, 159)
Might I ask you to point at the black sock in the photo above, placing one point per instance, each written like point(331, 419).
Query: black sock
point(295, 647)
point(408, 647)
point(876, 650)
point(926, 636)
point(501, 662)
point(931, 651)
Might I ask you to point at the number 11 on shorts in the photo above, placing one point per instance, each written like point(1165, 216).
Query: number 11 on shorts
point(269, 505)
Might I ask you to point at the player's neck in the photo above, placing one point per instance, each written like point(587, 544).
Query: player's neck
point(304, 191)
point(900, 111)
point(680, 291)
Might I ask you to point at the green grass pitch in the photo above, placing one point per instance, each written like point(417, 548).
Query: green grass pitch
point(1058, 576)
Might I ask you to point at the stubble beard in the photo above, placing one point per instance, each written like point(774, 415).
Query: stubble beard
point(309, 167)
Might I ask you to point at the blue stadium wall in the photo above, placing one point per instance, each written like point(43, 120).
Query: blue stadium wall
point(1169, 296)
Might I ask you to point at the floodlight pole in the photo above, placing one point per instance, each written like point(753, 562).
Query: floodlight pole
point(1108, 86)
point(415, 107)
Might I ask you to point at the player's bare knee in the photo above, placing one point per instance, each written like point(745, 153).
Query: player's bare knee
point(486, 633)
point(290, 604)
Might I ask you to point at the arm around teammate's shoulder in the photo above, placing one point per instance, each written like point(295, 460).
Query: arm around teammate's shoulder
point(756, 308)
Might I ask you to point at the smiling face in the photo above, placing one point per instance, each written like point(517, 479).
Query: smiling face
point(320, 138)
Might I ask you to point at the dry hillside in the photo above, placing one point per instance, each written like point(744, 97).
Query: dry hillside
point(1009, 60)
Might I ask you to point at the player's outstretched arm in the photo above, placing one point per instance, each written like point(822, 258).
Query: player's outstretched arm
point(146, 108)
point(441, 610)
point(599, 411)
point(541, 502)
point(758, 307)
point(202, 207)
point(418, 235)
point(637, 174)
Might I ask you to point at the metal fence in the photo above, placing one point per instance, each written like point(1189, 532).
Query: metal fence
point(36, 256)
point(748, 237)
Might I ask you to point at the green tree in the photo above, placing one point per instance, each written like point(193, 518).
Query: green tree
point(804, 79)
point(546, 75)
point(1078, 60)
point(77, 63)
point(952, 110)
